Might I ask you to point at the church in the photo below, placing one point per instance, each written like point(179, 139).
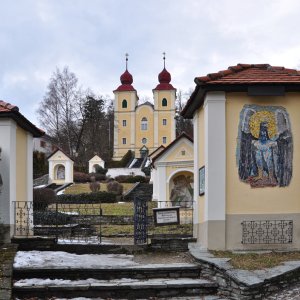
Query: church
point(144, 127)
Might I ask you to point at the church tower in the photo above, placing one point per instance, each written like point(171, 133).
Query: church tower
point(143, 128)
point(125, 103)
point(164, 109)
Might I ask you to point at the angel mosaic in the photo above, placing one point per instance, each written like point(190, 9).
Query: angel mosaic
point(265, 146)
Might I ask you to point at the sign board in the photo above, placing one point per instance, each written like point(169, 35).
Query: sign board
point(166, 216)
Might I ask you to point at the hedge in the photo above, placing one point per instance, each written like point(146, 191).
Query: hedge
point(131, 179)
point(103, 197)
point(80, 177)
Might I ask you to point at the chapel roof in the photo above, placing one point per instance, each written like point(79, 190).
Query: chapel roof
point(181, 136)
point(8, 110)
point(239, 78)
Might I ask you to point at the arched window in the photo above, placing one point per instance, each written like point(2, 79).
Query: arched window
point(164, 102)
point(124, 103)
point(144, 124)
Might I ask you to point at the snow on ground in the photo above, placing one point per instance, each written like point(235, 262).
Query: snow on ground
point(107, 283)
point(58, 259)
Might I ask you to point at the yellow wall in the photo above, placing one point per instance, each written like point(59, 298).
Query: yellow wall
point(161, 95)
point(240, 197)
point(201, 157)
point(121, 96)
point(144, 111)
point(21, 163)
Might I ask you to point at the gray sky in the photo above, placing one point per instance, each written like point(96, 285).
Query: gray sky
point(92, 36)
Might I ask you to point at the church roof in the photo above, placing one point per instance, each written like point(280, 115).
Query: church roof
point(8, 110)
point(126, 82)
point(57, 150)
point(239, 78)
point(164, 79)
point(181, 136)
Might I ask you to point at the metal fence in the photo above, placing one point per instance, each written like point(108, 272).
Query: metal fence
point(99, 223)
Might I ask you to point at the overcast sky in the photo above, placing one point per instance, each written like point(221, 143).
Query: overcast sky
point(92, 36)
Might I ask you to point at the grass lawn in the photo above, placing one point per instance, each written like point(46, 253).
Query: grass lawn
point(255, 261)
point(79, 188)
point(116, 209)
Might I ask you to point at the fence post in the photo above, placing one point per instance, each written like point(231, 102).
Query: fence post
point(56, 231)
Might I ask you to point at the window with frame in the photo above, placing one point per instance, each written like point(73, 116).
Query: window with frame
point(164, 102)
point(124, 103)
point(144, 124)
point(124, 122)
point(124, 141)
point(144, 141)
point(164, 122)
point(164, 139)
point(43, 144)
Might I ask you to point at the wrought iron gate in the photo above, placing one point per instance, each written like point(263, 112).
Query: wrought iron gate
point(140, 221)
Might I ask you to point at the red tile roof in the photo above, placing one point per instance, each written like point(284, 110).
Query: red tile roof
point(251, 74)
point(8, 110)
point(239, 78)
point(4, 106)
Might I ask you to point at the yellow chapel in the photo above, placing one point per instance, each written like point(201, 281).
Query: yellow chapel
point(144, 127)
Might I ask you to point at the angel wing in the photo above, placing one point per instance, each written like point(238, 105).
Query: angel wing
point(285, 148)
point(245, 153)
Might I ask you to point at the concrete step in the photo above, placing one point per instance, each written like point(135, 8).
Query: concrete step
point(126, 288)
point(140, 271)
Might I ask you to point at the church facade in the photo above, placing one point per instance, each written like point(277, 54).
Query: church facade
point(142, 128)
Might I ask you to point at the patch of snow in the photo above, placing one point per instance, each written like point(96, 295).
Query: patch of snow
point(90, 241)
point(59, 259)
point(60, 192)
point(124, 171)
point(132, 163)
point(75, 213)
point(40, 186)
point(108, 283)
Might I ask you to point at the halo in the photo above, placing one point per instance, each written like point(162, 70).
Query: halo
point(263, 116)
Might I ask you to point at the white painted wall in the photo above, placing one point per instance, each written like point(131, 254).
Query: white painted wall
point(114, 172)
point(8, 170)
point(215, 156)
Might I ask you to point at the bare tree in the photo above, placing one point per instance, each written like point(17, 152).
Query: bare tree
point(59, 110)
point(182, 124)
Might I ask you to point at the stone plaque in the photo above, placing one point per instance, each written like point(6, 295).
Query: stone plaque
point(166, 216)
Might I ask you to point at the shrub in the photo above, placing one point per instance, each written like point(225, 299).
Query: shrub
point(100, 170)
point(50, 218)
point(103, 197)
point(131, 179)
point(94, 185)
point(80, 177)
point(98, 177)
point(43, 197)
point(115, 187)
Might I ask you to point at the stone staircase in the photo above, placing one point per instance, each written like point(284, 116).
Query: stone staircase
point(142, 190)
point(111, 281)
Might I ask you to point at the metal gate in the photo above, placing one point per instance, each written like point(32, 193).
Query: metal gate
point(66, 222)
point(140, 221)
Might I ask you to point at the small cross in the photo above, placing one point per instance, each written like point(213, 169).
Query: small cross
point(126, 55)
point(164, 58)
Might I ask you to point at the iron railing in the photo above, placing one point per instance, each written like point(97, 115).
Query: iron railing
point(267, 232)
point(118, 223)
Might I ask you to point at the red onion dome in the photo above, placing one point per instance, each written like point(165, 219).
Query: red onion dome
point(126, 78)
point(164, 76)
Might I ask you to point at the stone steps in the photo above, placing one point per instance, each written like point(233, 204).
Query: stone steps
point(123, 288)
point(176, 270)
point(51, 275)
